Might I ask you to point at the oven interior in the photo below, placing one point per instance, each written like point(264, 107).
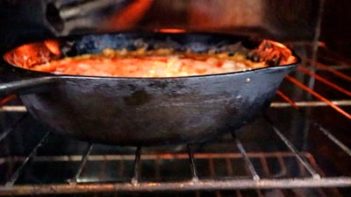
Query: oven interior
point(298, 147)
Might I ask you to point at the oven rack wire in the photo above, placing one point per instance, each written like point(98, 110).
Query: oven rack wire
point(314, 178)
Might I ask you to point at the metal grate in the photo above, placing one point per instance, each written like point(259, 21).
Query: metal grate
point(234, 167)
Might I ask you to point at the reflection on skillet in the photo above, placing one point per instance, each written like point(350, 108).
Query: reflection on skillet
point(142, 62)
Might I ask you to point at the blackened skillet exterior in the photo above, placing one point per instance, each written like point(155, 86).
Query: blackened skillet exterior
point(153, 111)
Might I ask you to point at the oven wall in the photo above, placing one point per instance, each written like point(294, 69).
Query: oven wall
point(287, 19)
point(21, 20)
point(336, 26)
point(280, 19)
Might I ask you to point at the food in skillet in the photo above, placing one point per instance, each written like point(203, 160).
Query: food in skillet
point(156, 63)
point(168, 110)
point(161, 62)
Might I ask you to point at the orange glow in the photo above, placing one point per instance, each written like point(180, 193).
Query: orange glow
point(27, 55)
point(171, 30)
point(158, 63)
point(129, 16)
point(32, 54)
point(53, 46)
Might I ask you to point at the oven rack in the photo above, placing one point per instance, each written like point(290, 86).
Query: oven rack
point(312, 177)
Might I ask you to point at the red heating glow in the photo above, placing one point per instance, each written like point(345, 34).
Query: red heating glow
point(335, 72)
point(322, 44)
point(7, 99)
point(53, 46)
point(129, 16)
point(32, 54)
point(287, 99)
point(323, 80)
point(171, 30)
point(148, 64)
point(318, 96)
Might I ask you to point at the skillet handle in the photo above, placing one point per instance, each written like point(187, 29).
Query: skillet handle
point(25, 86)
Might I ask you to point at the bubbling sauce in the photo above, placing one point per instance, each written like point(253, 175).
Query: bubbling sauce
point(162, 62)
point(154, 63)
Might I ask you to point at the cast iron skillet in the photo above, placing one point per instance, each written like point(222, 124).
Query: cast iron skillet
point(145, 111)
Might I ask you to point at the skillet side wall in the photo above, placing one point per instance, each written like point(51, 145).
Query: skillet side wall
point(154, 111)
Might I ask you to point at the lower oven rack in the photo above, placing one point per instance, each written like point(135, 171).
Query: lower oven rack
point(313, 176)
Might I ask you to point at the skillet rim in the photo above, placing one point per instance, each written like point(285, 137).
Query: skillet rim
point(21, 70)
